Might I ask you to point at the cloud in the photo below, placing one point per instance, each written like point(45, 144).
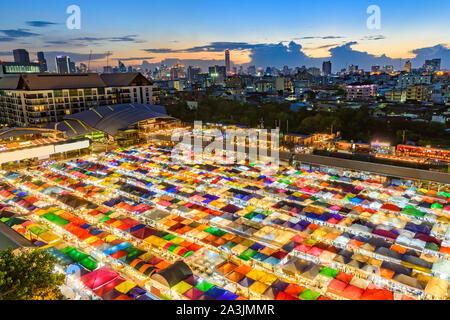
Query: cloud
point(344, 55)
point(374, 37)
point(58, 42)
point(74, 56)
point(126, 38)
point(322, 37)
point(18, 33)
point(291, 54)
point(212, 47)
point(160, 50)
point(279, 54)
point(326, 46)
point(40, 24)
point(6, 39)
point(134, 58)
point(130, 38)
point(441, 51)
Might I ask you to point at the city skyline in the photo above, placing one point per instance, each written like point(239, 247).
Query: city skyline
point(288, 33)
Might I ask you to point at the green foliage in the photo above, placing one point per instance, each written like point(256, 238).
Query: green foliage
point(354, 124)
point(29, 275)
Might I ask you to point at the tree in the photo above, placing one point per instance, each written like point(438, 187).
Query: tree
point(29, 275)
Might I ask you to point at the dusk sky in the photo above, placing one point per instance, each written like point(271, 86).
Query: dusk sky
point(262, 32)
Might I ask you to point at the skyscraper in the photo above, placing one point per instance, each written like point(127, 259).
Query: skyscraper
point(42, 62)
point(408, 66)
point(227, 61)
point(21, 56)
point(326, 68)
point(63, 64)
point(122, 67)
point(192, 73)
point(72, 67)
point(432, 65)
point(83, 68)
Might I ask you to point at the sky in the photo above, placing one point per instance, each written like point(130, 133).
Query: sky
point(257, 32)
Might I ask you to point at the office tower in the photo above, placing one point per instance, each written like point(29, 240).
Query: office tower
point(432, 65)
point(227, 61)
point(352, 68)
point(375, 69)
point(62, 64)
point(122, 67)
point(314, 71)
point(177, 71)
point(72, 67)
point(21, 56)
point(42, 62)
point(326, 68)
point(192, 73)
point(286, 71)
point(251, 70)
point(218, 74)
point(388, 69)
point(408, 66)
point(83, 68)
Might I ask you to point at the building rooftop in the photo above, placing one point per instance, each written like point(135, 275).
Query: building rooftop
point(109, 119)
point(10, 238)
point(54, 81)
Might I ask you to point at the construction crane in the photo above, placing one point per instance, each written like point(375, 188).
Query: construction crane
point(89, 62)
point(108, 53)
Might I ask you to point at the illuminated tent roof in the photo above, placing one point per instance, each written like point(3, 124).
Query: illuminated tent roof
point(112, 119)
point(173, 274)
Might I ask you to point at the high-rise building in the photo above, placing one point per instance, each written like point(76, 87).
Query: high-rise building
point(227, 61)
point(352, 68)
point(408, 66)
point(46, 98)
point(72, 67)
point(21, 56)
point(218, 74)
point(83, 68)
point(314, 71)
point(42, 62)
point(192, 73)
point(432, 65)
point(251, 70)
point(326, 68)
point(388, 69)
point(177, 71)
point(62, 64)
point(375, 69)
point(122, 67)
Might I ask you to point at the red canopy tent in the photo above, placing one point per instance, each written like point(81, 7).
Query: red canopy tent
point(98, 278)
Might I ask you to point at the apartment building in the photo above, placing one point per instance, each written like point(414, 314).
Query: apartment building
point(35, 100)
